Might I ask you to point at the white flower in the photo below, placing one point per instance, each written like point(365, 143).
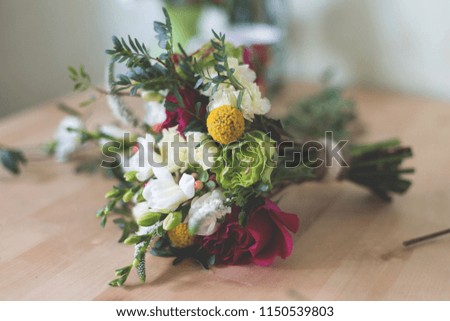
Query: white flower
point(67, 142)
point(144, 159)
point(243, 74)
point(225, 95)
point(164, 193)
point(205, 153)
point(205, 211)
point(176, 151)
point(155, 113)
point(252, 103)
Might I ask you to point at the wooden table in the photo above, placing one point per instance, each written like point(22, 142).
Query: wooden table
point(349, 247)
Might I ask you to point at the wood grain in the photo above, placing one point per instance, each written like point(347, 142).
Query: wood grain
point(349, 247)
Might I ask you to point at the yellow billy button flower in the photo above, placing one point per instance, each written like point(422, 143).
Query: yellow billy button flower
point(225, 124)
point(180, 237)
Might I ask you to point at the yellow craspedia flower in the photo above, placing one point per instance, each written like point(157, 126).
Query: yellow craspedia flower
point(180, 237)
point(225, 124)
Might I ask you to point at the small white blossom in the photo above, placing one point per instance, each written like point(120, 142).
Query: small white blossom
point(143, 160)
point(67, 142)
point(175, 148)
point(205, 211)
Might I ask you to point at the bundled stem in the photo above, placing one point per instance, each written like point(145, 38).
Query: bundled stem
point(377, 167)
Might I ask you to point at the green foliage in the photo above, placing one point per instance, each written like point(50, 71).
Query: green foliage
point(328, 110)
point(12, 159)
point(142, 243)
point(164, 33)
point(82, 81)
point(225, 74)
point(132, 52)
point(128, 227)
point(122, 275)
point(146, 72)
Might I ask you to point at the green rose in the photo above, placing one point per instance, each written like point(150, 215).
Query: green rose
point(246, 162)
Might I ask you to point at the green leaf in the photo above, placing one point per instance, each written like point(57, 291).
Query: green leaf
point(203, 176)
point(239, 99)
point(12, 159)
point(82, 81)
point(198, 83)
point(122, 275)
point(198, 106)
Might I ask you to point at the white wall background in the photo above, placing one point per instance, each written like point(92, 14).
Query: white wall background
point(398, 44)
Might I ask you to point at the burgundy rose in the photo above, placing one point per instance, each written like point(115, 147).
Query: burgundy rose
point(265, 237)
point(269, 227)
point(230, 243)
point(184, 116)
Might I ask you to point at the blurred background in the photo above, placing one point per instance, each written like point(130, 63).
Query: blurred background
point(401, 45)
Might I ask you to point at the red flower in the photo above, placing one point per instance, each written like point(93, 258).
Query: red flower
point(265, 237)
point(230, 243)
point(184, 116)
point(269, 226)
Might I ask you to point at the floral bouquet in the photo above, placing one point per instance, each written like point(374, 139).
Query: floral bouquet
point(197, 175)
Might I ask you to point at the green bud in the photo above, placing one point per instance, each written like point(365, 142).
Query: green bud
point(106, 210)
point(100, 213)
point(151, 96)
point(140, 198)
point(148, 219)
point(132, 239)
point(128, 196)
point(112, 193)
point(172, 220)
point(130, 176)
point(135, 263)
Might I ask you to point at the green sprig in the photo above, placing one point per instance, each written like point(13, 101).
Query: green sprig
point(82, 81)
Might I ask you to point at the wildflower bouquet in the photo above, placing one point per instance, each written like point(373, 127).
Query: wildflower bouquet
point(197, 174)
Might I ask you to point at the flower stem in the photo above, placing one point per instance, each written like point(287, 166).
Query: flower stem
point(424, 238)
